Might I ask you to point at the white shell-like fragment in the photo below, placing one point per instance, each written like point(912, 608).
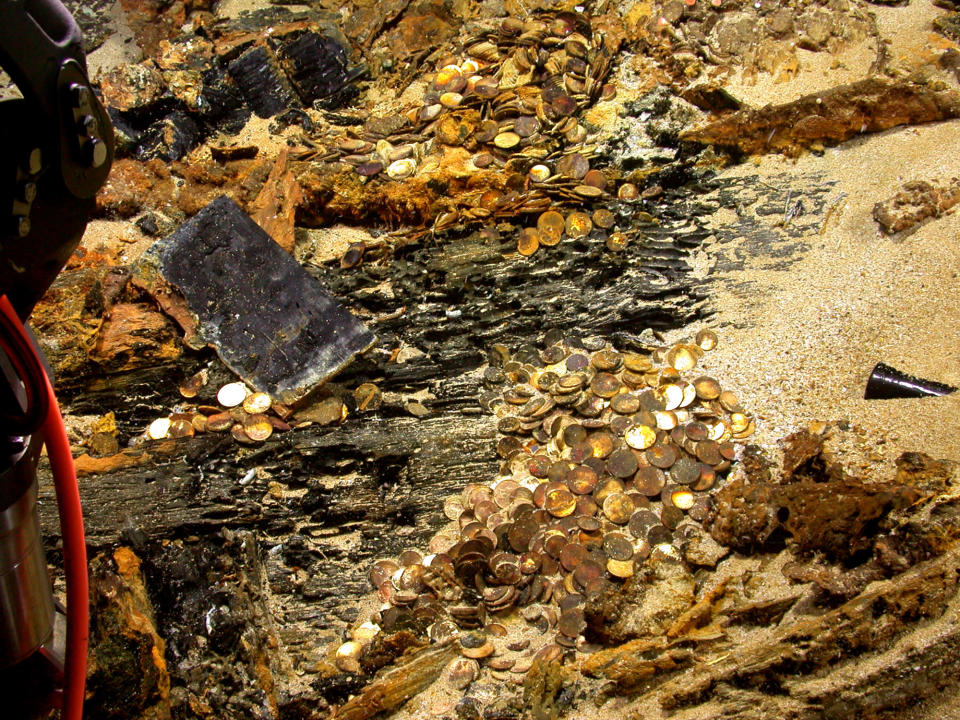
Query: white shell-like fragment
point(400, 169)
point(366, 632)
point(159, 429)
point(666, 550)
point(232, 394)
point(347, 655)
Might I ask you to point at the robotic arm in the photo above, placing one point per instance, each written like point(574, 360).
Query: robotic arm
point(56, 152)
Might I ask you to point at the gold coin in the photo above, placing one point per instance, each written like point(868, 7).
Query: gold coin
point(682, 357)
point(637, 363)
point(706, 480)
point(560, 502)
point(181, 426)
point(258, 427)
point(649, 481)
point(232, 394)
point(526, 125)
point(666, 419)
point(551, 225)
point(573, 166)
point(607, 487)
point(738, 422)
point(670, 396)
point(578, 224)
point(219, 422)
point(706, 388)
point(240, 435)
point(618, 507)
point(588, 191)
point(258, 402)
point(604, 385)
point(595, 178)
point(606, 360)
point(539, 173)
point(528, 241)
point(661, 456)
point(487, 131)
point(601, 444)
point(603, 218)
point(618, 546)
point(572, 555)
point(506, 140)
point(706, 339)
point(640, 437)
point(620, 568)
point(625, 403)
point(682, 498)
point(729, 402)
point(746, 432)
point(191, 386)
point(708, 452)
point(159, 429)
point(622, 463)
point(582, 480)
point(628, 191)
point(617, 241)
point(685, 471)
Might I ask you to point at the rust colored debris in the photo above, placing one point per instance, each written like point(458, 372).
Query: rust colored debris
point(832, 116)
point(915, 202)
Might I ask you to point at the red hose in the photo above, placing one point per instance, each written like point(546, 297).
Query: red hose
point(74, 543)
point(74, 560)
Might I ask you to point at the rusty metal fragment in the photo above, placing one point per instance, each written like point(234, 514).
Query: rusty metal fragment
point(400, 684)
point(916, 201)
point(832, 116)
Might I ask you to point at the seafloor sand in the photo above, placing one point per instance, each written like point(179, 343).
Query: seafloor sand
point(798, 344)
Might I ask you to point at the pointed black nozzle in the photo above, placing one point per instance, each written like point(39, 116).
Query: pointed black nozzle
point(886, 382)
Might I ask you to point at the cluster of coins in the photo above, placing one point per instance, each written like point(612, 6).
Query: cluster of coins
point(513, 99)
point(608, 457)
point(250, 417)
point(552, 227)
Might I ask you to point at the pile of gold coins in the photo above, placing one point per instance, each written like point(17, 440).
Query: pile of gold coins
point(513, 100)
point(250, 417)
point(605, 454)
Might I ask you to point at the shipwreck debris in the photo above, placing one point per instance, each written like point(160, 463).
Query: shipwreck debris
point(831, 116)
point(915, 202)
point(886, 382)
point(269, 321)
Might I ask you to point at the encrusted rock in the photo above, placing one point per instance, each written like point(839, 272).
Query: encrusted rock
point(915, 202)
point(646, 604)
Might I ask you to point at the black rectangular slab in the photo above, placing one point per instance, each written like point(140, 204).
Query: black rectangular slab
point(268, 319)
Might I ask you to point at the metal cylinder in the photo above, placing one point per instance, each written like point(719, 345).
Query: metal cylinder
point(26, 601)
